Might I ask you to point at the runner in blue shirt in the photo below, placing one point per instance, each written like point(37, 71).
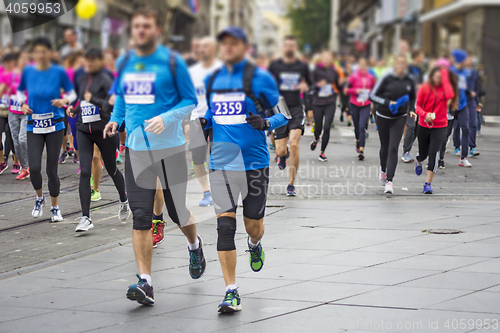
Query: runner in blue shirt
point(43, 83)
point(238, 96)
point(154, 94)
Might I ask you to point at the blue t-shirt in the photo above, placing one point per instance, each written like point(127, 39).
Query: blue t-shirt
point(236, 145)
point(145, 89)
point(462, 86)
point(43, 87)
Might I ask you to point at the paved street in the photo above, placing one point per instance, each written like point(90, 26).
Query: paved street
point(345, 259)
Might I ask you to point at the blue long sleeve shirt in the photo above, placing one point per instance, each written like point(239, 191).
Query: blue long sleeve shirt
point(236, 145)
point(146, 89)
point(462, 86)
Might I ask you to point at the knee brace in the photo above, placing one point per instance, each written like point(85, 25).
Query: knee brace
point(226, 229)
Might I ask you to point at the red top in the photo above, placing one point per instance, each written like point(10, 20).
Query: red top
point(435, 100)
point(363, 81)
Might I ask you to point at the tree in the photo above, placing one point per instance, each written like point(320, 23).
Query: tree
point(311, 22)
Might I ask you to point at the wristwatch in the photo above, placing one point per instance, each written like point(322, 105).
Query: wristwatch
point(268, 124)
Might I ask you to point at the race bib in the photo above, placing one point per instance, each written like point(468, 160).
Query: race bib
point(139, 88)
point(229, 108)
point(5, 100)
point(90, 112)
point(43, 123)
point(363, 95)
point(462, 82)
point(289, 81)
point(326, 90)
point(14, 104)
point(200, 91)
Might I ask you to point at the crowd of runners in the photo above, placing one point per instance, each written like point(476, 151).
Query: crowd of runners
point(230, 110)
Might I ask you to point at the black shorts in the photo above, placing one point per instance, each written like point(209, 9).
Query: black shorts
point(297, 122)
point(227, 186)
point(197, 143)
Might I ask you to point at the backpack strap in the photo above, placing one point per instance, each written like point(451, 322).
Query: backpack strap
point(248, 74)
point(210, 85)
point(173, 68)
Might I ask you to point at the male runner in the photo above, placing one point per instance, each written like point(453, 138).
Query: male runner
point(153, 104)
point(197, 144)
point(238, 95)
point(292, 76)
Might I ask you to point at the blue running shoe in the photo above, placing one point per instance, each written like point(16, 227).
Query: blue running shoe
point(427, 188)
point(457, 151)
point(271, 147)
point(290, 191)
point(473, 152)
point(207, 199)
point(418, 169)
point(141, 292)
point(231, 302)
point(197, 262)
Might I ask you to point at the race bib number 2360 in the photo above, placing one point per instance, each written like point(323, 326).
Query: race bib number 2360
point(139, 88)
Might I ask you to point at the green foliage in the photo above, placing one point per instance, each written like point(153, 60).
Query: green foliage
point(311, 22)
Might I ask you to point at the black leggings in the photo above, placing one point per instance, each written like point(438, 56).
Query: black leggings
point(430, 141)
point(327, 112)
point(390, 132)
point(141, 189)
point(449, 130)
point(36, 144)
point(107, 147)
point(360, 116)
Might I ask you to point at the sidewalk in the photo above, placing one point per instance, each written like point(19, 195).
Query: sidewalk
point(331, 266)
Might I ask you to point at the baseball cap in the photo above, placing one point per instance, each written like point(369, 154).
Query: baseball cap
point(235, 32)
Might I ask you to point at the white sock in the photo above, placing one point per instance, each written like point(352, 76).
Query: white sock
point(56, 207)
point(252, 245)
point(195, 245)
point(40, 198)
point(231, 287)
point(147, 278)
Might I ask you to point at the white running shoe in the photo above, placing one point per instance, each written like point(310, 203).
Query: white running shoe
point(124, 211)
point(382, 177)
point(388, 188)
point(38, 209)
point(84, 224)
point(56, 215)
point(465, 163)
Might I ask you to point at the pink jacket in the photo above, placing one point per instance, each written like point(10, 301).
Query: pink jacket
point(360, 80)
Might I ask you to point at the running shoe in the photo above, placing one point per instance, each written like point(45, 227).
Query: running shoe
point(427, 188)
point(141, 292)
point(118, 157)
point(157, 231)
point(122, 149)
point(349, 124)
point(271, 147)
point(79, 169)
point(95, 195)
point(322, 157)
point(38, 209)
point(473, 153)
point(342, 117)
point(257, 256)
point(290, 191)
point(372, 119)
point(63, 158)
point(3, 167)
point(25, 173)
point(282, 163)
point(388, 188)
point(124, 211)
point(71, 151)
point(55, 215)
point(314, 143)
point(457, 152)
point(441, 165)
point(382, 177)
point(76, 159)
point(418, 169)
point(84, 224)
point(361, 155)
point(407, 157)
point(231, 302)
point(197, 262)
point(465, 163)
point(16, 168)
point(207, 200)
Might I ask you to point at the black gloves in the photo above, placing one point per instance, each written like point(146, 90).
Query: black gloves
point(257, 122)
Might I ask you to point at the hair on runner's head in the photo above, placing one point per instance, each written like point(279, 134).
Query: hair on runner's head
point(93, 52)
point(148, 12)
point(42, 41)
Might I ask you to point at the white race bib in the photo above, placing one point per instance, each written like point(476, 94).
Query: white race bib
point(326, 90)
point(5, 100)
point(14, 104)
point(43, 123)
point(139, 88)
point(229, 108)
point(289, 81)
point(363, 95)
point(462, 82)
point(90, 112)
